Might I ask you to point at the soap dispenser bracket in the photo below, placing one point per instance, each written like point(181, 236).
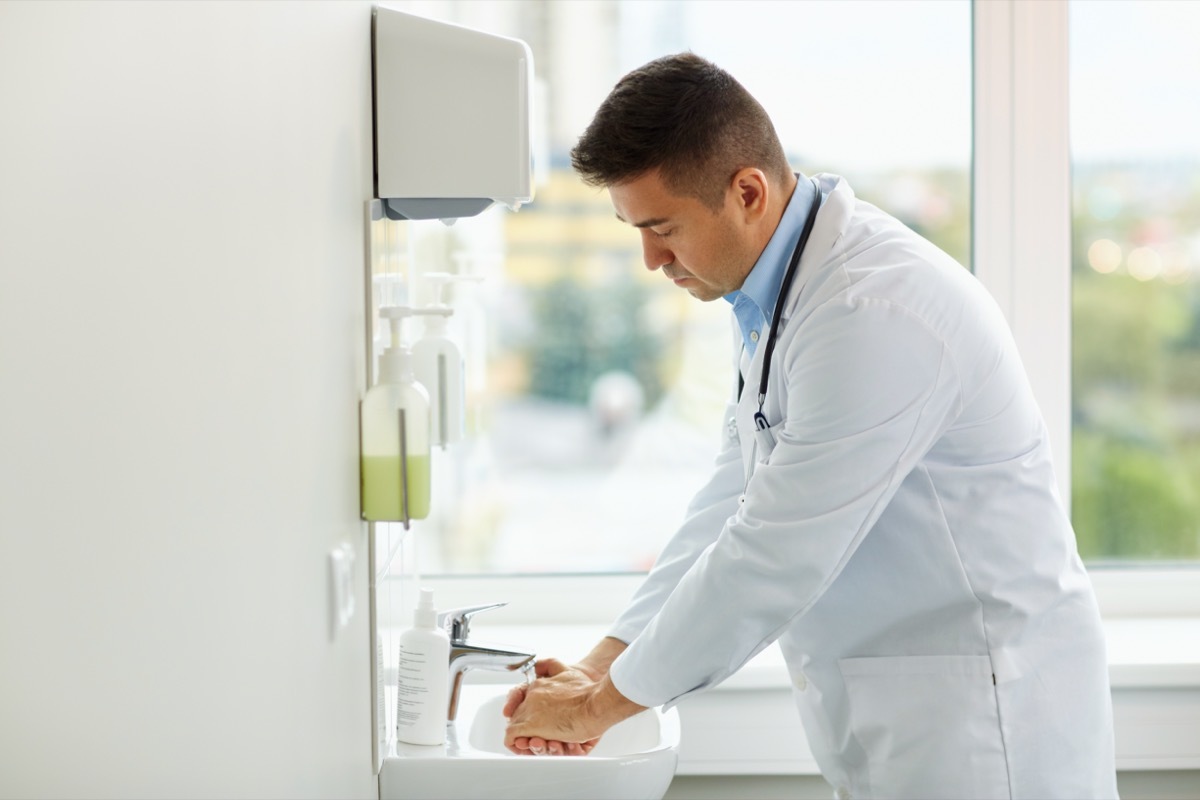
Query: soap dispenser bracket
point(443, 388)
point(404, 515)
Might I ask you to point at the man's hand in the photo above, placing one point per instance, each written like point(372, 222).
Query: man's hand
point(565, 705)
point(593, 667)
point(536, 745)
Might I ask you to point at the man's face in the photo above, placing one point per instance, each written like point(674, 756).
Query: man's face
point(707, 252)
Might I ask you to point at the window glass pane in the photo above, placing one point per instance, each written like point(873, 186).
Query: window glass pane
point(1135, 140)
point(596, 395)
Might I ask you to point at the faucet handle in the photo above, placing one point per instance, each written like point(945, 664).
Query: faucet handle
point(457, 621)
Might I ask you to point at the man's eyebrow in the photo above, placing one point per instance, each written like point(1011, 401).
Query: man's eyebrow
point(649, 223)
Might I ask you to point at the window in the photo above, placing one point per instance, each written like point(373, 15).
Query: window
point(1135, 280)
point(595, 388)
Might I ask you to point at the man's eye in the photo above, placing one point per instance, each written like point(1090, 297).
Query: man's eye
point(663, 234)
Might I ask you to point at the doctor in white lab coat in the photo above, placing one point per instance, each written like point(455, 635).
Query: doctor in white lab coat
point(891, 519)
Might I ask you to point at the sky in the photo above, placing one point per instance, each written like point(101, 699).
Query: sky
point(1135, 89)
point(826, 72)
point(881, 83)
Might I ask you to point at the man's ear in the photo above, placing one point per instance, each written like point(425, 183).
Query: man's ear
point(750, 191)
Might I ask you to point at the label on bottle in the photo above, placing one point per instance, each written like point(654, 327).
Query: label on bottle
point(413, 687)
point(422, 690)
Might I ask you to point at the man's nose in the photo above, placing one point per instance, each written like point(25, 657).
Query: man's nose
point(653, 253)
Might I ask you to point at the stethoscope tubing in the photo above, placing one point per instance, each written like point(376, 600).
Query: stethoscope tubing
point(760, 419)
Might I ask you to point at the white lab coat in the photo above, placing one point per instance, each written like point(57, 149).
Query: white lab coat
point(898, 532)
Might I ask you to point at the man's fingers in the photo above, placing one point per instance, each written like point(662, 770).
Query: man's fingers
point(570, 748)
point(535, 745)
point(517, 744)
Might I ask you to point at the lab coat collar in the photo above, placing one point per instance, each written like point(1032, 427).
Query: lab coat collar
point(833, 218)
point(762, 284)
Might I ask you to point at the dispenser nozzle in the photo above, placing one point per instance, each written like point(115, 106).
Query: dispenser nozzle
point(395, 315)
point(439, 281)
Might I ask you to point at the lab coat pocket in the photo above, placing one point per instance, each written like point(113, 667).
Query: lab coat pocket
point(929, 725)
point(764, 443)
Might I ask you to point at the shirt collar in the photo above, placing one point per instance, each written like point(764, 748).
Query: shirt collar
point(762, 284)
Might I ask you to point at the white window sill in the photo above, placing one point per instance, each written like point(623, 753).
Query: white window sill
point(748, 725)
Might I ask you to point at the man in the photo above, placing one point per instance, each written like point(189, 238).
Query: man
point(884, 501)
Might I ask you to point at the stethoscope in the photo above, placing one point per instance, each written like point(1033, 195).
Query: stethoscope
point(760, 419)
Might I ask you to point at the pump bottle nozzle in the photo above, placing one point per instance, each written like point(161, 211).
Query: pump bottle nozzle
point(439, 281)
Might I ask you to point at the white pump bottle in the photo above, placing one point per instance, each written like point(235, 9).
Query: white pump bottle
point(438, 366)
point(395, 435)
point(423, 687)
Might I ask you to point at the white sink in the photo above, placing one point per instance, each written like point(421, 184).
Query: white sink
point(634, 759)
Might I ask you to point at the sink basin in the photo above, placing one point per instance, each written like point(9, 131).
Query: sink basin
point(634, 759)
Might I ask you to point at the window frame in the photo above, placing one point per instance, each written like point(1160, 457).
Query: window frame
point(1021, 249)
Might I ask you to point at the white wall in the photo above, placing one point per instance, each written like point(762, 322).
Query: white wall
point(181, 336)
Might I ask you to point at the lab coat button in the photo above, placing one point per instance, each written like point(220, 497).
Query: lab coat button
point(742, 500)
point(801, 683)
point(842, 793)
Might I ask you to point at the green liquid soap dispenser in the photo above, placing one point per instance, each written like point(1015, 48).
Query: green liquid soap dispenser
point(438, 366)
point(395, 435)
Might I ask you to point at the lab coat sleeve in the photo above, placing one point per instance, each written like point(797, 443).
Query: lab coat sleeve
point(870, 388)
point(703, 521)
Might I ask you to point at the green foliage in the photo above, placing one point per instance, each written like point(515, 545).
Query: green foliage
point(1120, 328)
point(1132, 501)
point(583, 331)
point(1135, 395)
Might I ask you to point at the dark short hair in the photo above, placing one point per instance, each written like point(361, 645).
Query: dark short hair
point(686, 117)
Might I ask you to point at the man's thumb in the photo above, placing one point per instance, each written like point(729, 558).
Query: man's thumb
point(516, 696)
point(548, 667)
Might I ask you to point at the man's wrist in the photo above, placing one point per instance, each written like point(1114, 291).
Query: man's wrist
point(596, 663)
point(608, 705)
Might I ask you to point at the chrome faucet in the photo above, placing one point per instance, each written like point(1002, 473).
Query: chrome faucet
point(465, 655)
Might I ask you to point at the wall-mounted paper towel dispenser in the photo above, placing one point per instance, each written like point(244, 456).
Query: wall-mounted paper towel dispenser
point(452, 118)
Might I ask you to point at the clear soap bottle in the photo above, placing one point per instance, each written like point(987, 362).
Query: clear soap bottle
point(423, 686)
point(395, 465)
point(438, 365)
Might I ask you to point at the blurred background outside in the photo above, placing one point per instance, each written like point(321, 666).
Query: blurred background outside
point(595, 388)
